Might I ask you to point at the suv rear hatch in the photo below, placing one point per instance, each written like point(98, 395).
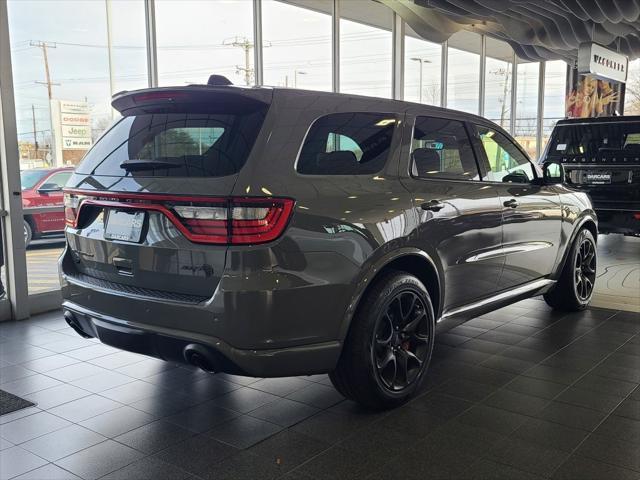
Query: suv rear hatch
point(149, 210)
point(602, 158)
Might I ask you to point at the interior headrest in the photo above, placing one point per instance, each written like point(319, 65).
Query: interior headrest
point(341, 162)
point(426, 159)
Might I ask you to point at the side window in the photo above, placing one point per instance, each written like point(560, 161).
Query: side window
point(506, 163)
point(60, 179)
point(347, 144)
point(441, 149)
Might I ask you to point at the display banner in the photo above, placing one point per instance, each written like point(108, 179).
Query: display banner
point(588, 96)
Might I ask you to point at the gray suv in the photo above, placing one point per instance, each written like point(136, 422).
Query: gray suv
point(276, 232)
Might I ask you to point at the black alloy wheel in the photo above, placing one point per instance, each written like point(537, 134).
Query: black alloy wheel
point(401, 343)
point(585, 268)
point(575, 284)
point(388, 348)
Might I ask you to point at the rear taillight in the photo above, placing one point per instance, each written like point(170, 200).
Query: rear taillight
point(71, 204)
point(238, 221)
point(231, 220)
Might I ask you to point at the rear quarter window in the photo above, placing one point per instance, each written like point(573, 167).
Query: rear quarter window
point(347, 144)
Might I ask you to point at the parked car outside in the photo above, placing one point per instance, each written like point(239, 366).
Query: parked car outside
point(601, 156)
point(43, 188)
point(278, 232)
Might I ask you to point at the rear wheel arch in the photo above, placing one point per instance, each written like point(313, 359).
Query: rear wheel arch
point(413, 261)
point(587, 222)
point(592, 227)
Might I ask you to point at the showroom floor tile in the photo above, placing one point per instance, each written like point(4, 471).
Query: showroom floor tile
point(523, 392)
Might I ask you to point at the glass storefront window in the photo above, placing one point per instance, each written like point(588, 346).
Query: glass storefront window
point(463, 82)
point(365, 48)
point(422, 66)
point(129, 52)
point(63, 80)
point(196, 39)
point(297, 44)
point(527, 106)
point(555, 88)
point(498, 79)
point(632, 93)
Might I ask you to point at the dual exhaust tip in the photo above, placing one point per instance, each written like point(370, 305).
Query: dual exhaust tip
point(72, 321)
point(200, 357)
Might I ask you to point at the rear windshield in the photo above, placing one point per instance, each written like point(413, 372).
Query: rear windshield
point(595, 140)
point(175, 145)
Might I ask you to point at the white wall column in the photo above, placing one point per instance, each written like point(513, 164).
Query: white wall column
point(335, 46)
point(13, 235)
point(483, 68)
point(398, 57)
point(540, 115)
point(514, 96)
point(444, 74)
point(258, 66)
point(152, 48)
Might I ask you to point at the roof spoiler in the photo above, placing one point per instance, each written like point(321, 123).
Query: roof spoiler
point(199, 98)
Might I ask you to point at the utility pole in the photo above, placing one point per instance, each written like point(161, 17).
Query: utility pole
point(246, 45)
point(35, 135)
point(43, 46)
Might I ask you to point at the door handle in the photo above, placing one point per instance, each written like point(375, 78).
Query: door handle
point(513, 203)
point(432, 205)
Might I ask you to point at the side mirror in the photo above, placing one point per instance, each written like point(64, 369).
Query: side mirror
point(517, 176)
point(49, 188)
point(553, 172)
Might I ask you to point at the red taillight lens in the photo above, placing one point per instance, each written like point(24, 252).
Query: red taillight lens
point(239, 221)
point(71, 204)
point(235, 220)
point(258, 222)
point(636, 215)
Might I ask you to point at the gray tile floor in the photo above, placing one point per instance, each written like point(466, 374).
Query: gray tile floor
point(519, 393)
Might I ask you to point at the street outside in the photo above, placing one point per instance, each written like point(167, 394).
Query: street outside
point(42, 265)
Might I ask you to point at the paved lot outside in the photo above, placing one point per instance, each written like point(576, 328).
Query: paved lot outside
point(42, 265)
point(522, 393)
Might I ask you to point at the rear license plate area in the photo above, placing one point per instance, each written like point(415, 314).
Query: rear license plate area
point(124, 226)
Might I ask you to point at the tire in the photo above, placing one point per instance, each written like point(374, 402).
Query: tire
point(381, 367)
point(28, 233)
point(574, 288)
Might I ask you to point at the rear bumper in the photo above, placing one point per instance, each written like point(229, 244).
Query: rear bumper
point(179, 346)
point(618, 221)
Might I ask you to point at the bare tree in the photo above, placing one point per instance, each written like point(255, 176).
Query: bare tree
point(632, 101)
point(431, 94)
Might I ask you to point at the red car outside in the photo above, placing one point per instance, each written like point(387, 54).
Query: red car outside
point(42, 188)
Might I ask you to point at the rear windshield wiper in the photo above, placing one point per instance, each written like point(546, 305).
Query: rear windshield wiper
point(133, 165)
